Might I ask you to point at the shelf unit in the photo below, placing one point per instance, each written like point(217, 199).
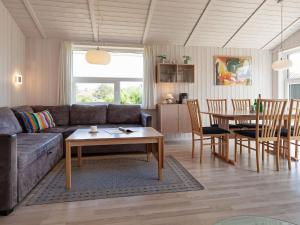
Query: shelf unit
point(175, 73)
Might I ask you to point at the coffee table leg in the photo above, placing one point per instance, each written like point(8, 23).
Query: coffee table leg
point(79, 156)
point(68, 166)
point(160, 158)
point(149, 150)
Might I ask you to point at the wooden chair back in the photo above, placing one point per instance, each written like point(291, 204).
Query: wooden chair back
point(241, 105)
point(216, 106)
point(194, 111)
point(271, 117)
point(294, 118)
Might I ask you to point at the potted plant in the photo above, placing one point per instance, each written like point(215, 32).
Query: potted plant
point(162, 58)
point(186, 59)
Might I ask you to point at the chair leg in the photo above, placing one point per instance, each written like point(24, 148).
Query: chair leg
point(213, 141)
point(241, 147)
point(257, 155)
point(296, 149)
point(249, 145)
point(235, 149)
point(277, 151)
point(227, 147)
point(201, 149)
point(288, 148)
point(263, 152)
point(193, 145)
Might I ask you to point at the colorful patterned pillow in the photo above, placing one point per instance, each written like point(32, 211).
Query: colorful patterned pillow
point(35, 122)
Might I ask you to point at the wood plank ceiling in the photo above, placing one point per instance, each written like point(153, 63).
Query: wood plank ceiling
point(217, 23)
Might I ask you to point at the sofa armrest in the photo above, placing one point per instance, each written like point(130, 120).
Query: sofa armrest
point(146, 119)
point(8, 173)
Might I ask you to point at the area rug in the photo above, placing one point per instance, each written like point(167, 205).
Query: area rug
point(100, 178)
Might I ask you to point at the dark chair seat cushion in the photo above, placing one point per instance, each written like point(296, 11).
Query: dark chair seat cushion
point(32, 146)
point(235, 126)
point(284, 131)
point(247, 133)
point(231, 126)
point(214, 130)
point(249, 125)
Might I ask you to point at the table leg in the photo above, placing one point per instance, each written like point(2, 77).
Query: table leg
point(163, 153)
point(149, 150)
point(68, 166)
point(79, 156)
point(160, 158)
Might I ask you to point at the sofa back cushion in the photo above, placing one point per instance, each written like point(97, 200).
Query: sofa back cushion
point(123, 114)
point(60, 114)
point(8, 122)
point(88, 114)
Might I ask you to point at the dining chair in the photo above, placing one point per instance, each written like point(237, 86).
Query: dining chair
point(205, 133)
point(216, 106)
point(242, 105)
point(292, 131)
point(268, 128)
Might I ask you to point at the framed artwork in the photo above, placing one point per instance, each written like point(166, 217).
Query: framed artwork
point(232, 71)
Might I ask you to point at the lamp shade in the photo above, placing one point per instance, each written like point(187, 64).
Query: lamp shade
point(97, 56)
point(282, 64)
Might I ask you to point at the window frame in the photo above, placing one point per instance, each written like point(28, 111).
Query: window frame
point(115, 80)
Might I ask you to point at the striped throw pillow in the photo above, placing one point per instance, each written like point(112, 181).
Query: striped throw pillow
point(35, 122)
point(45, 120)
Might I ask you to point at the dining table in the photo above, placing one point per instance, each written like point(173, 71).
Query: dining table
point(225, 118)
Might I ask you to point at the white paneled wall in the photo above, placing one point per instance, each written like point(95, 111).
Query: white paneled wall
point(12, 60)
point(42, 58)
point(204, 86)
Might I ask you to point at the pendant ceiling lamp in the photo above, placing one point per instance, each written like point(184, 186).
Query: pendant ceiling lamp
point(281, 64)
point(98, 56)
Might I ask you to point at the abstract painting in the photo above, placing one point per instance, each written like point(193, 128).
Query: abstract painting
point(231, 71)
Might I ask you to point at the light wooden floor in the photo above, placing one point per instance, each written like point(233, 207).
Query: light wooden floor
point(229, 191)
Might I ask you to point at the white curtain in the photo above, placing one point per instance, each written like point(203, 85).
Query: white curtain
point(149, 78)
point(65, 74)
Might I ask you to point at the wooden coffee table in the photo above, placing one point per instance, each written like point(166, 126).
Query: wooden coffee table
point(108, 136)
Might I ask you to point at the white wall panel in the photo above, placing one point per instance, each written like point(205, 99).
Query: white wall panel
point(12, 60)
point(42, 58)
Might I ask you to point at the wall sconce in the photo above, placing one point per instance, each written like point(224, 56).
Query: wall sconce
point(18, 79)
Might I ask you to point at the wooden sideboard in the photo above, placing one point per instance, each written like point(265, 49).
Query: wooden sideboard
point(174, 118)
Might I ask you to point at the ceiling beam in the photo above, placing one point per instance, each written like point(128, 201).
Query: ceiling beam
point(149, 19)
point(34, 17)
point(197, 23)
point(91, 4)
point(285, 29)
point(245, 22)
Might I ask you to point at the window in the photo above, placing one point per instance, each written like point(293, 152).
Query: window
point(293, 75)
point(121, 81)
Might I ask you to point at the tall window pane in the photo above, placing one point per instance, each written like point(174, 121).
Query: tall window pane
point(131, 92)
point(294, 71)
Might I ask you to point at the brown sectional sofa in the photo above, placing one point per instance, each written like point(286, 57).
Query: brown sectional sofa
point(26, 158)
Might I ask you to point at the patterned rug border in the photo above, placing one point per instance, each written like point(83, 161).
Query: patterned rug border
point(182, 172)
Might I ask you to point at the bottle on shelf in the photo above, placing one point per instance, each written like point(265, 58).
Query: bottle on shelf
point(261, 108)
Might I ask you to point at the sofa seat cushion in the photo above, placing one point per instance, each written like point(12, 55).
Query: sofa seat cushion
point(60, 113)
point(32, 146)
point(8, 122)
point(66, 131)
point(118, 114)
point(88, 114)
